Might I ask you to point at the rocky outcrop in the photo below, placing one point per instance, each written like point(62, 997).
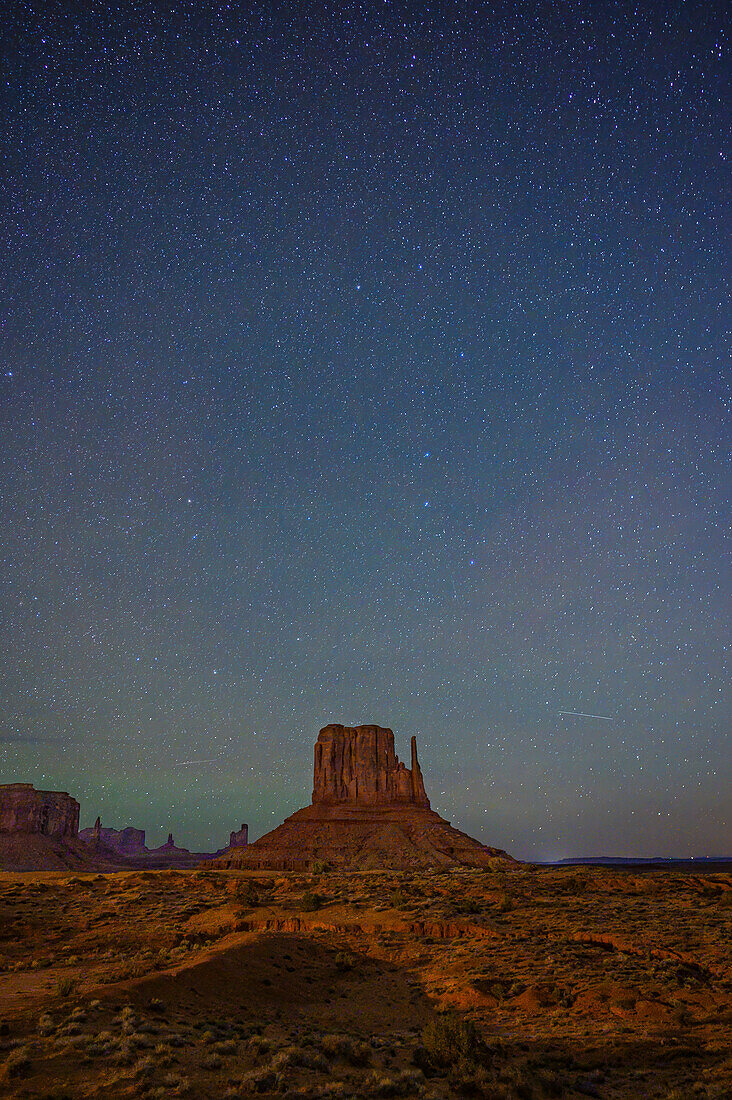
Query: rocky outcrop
point(369, 811)
point(357, 765)
point(127, 842)
point(240, 839)
point(127, 847)
point(23, 809)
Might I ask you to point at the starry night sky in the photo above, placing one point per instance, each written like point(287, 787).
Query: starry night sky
point(367, 363)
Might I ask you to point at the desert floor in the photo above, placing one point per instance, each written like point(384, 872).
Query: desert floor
point(526, 982)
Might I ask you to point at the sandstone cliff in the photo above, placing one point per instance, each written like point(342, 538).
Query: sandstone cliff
point(358, 765)
point(23, 809)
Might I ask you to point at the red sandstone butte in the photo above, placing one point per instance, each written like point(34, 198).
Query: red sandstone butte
point(23, 809)
point(358, 765)
point(369, 811)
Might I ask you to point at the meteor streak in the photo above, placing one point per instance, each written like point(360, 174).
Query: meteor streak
point(185, 763)
point(581, 714)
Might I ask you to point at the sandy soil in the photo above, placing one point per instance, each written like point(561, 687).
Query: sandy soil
point(521, 982)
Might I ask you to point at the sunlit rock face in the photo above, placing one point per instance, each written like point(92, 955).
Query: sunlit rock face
point(25, 810)
point(358, 765)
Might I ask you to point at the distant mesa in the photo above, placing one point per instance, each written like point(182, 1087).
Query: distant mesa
point(128, 845)
point(368, 811)
point(25, 810)
point(39, 831)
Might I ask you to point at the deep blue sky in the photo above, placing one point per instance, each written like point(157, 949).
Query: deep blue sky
point(367, 363)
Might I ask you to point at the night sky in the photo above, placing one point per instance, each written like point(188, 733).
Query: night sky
point(367, 363)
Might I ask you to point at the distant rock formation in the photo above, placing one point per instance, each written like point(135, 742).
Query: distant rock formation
point(23, 809)
point(39, 831)
point(127, 846)
point(127, 842)
point(368, 811)
point(240, 839)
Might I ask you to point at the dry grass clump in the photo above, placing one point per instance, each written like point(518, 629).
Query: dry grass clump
point(350, 1050)
point(408, 1082)
point(145, 1067)
point(66, 985)
point(46, 1024)
point(298, 1056)
point(172, 1085)
point(16, 1064)
point(103, 1044)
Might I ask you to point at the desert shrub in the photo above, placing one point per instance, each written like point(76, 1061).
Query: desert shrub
point(66, 985)
point(468, 906)
point(319, 866)
point(408, 1082)
point(360, 1053)
point(398, 898)
point(225, 1046)
point(311, 901)
point(45, 1024)
point(127, 1020)
point(506, 903)
point(336, 1046)
point(259, 1044)
point(344, 961)
point(447, 1039)
point(352, 1050)
point(263, 1079)
point(298, 1056)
